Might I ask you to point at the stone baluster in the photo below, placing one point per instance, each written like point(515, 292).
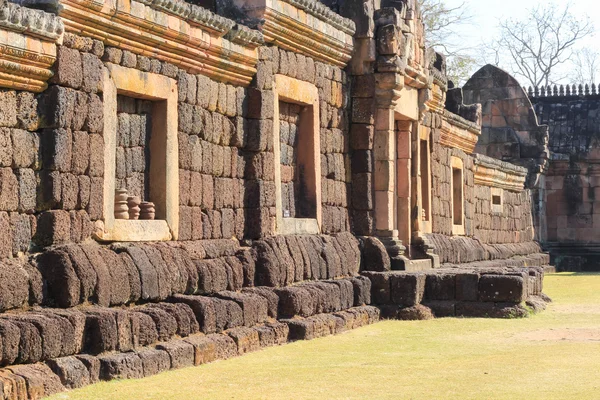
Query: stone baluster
point(147, 210)
point(134, 207)
point(121, 208)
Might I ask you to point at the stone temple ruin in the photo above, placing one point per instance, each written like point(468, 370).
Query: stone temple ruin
point(185, 182)
point(554, 132)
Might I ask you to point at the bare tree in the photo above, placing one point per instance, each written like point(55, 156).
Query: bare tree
point(441, 33)
point(586, 65)
point(441, 23)
point(542, 40)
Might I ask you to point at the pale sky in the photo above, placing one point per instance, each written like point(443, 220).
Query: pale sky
point(487, 13)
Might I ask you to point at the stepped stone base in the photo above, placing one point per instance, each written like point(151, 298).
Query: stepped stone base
point(35, 381)
point(491, 292)
point(77, 314)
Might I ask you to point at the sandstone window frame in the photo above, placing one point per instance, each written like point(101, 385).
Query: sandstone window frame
point(164, 150)
point(306, 94)
point(495, 195)
point(457, 195)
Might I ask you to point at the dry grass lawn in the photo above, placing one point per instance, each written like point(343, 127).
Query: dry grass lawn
point(554, 355)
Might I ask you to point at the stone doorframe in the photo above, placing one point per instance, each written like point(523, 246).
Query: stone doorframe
point(164, 150)
point(309, 145)
point(397, 183)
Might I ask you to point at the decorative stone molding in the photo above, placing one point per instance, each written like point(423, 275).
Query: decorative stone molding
point(302, 26)
point(188, 36)
point(498, 174)
point(27, 47)
point(323, 12)
point(459, 133)
point(436, 98)
point(243, 35)
point(164, 156)
point(31, 22)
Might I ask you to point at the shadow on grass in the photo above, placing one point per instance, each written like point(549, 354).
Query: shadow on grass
point(570, 274)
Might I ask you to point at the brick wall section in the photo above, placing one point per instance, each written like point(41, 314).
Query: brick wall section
point(512, 225)
point(212, 135)
point(333, 87)
point(441, 176)
point(226, 163)
point(51, 161)
point(362, 134)
point(19, 167)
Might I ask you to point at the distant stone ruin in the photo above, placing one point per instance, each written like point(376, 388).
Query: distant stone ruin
point(563, 125)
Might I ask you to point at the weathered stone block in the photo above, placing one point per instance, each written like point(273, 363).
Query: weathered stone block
point(295, 301)
point(8, 108)
point(154, 361)
point(68, 68)
point(57, 144)
point(20, 227)
point(246, 339)
point(129, 59)
point(261, 104)
point(467, 286)
point(502, 288)
point(362, 191)
point(380, 286)
point(375, 256)
point(407, 289)
point(92, 73)
point(204, 310)
point(181, 353)
point(440, 287)
point(41, 381)
point(71, 371)
point(53, 227)
point(9, 190)
point(112, 55)
point(11, 339)
point(92, 364)
point(121, 366)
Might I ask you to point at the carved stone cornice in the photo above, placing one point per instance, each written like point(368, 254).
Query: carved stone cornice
point(496, 173)
point(323, 12)
point(188, 36)
point(27, 47)
point(389, 89)
point(31, 22)
point(416, 78)
point(436, 99)
point(459, 133)
point(302, 26)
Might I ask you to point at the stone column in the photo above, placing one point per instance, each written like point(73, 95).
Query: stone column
point(403, 176)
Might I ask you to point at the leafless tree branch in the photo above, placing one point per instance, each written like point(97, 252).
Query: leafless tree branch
point(542, 40)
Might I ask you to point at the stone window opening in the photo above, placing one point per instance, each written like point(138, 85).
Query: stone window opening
point(134, 129)
point(297, 201)
point(457, 190)
point(497, 203)
point(140, 157)
point(425, 220)
point(297, 156)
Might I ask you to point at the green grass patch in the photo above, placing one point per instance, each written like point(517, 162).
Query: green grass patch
point(553, 355)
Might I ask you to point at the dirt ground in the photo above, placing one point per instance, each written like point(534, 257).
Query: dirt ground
point(553, 355)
